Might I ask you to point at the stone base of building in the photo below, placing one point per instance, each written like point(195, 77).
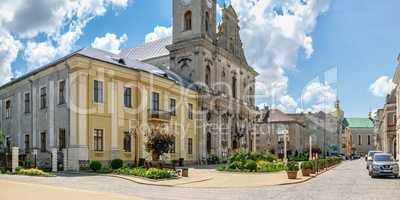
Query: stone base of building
point(77, 158)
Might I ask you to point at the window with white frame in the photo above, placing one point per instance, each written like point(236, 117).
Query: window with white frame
point(98, 91)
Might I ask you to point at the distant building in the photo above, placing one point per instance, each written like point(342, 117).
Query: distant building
point(270, 133)
point(359, 134)
point(385, 125)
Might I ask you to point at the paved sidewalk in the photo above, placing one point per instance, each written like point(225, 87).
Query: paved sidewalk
point(23, 191)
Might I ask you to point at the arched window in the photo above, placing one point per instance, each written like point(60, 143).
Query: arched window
point(208, 76)
point(188, 20)
point(234, 87)
point(207, 22)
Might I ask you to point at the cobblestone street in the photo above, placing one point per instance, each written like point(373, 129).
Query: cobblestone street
point(347, 181)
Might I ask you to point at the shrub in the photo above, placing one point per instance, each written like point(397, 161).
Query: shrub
point(292, 166)
point(32, 172)
point(95, 165)
point(151, 173)
point(251, 165)
point(263, 166)
point(221, 167)
point(154, 173)
point(105, 170)
point(116, 163)
point(299, 157)
point(241, 156)
point(270, 157)
point(236, 165)
point(307, 165)
point(18, 169)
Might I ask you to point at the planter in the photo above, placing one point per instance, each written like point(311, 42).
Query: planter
point(306, 172)
point(292, 174)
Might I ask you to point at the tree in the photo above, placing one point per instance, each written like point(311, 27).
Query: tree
point(159, 143)
point(2, 139)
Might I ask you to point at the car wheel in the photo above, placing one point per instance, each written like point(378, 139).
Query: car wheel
point(396, 176)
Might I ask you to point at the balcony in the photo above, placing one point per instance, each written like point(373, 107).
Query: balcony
point(159, 115)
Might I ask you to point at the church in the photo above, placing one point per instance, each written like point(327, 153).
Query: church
point(210, 57)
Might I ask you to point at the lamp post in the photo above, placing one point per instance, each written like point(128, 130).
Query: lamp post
point(284, 132)
point(310, 154)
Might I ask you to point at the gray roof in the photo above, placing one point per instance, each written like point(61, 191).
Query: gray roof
point(148, 50)
point(105, 56)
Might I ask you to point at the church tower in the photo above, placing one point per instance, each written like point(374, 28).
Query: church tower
point(193, 19)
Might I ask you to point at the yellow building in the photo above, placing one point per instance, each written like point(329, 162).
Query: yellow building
point(119, 101)
point(95, 105)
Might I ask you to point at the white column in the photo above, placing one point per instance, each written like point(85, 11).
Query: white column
point(34, 124)
point(51, 114)
point(65, 160)
point(14, 158)
point(19, 113)
point(114, 118)
point(54, 159)
point(219, 153)
point(285, 146)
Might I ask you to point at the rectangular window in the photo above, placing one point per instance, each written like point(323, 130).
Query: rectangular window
point(43, 142)
point(8, 109)
point(128, 97)
point(359, 140)
point(43, 96)
point(190, 146)
point(98, 140)
point(172, 107)
point(369, 140)
point(98, 91)
point(27, 144)
point(61, 92)
point(62, 140)
point(156, 101)
point(190, 111)
point(27, 102)
point(127, 142)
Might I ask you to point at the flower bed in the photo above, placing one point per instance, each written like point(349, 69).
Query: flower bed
point(151, 173)
point(32, 172)
point(252, 162)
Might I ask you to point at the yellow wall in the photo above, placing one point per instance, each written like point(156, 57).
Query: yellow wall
point(113, 117)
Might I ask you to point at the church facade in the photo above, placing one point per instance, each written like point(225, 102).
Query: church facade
point(211, 58)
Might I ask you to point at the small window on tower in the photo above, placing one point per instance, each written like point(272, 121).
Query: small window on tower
point(188, 20)
point(207, 23)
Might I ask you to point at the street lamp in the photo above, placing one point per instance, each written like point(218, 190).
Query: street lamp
point(284, 131)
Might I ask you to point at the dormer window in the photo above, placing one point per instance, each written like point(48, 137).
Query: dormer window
point(188, 20)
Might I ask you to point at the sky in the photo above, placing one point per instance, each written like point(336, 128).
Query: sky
point(308, 52)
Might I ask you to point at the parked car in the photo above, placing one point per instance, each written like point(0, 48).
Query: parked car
point(383, 164)
point(370, 156)
point(355, 156)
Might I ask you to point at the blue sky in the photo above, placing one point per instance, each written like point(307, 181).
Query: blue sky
point(358, 37)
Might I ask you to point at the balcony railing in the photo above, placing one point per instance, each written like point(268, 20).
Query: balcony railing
point(159, 115)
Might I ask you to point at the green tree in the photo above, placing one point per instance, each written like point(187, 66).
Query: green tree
point(159, 143)
point(2, 139)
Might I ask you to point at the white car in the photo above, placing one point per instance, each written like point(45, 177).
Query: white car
point(370, 157)
point(383, 164)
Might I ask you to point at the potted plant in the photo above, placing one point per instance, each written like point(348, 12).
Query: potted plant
point(159, 143)
point(306, 168)
point(292, 168)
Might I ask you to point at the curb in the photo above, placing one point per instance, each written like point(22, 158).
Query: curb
point(155, 184)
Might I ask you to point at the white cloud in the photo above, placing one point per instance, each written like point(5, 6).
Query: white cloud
point(158, 33)
point(110, 42)
point(60, 23)
point(9, 48)
point(382, 86)
point(317, 97)
point(273, 40)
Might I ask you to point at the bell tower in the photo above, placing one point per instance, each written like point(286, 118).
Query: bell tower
point(194, 19)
